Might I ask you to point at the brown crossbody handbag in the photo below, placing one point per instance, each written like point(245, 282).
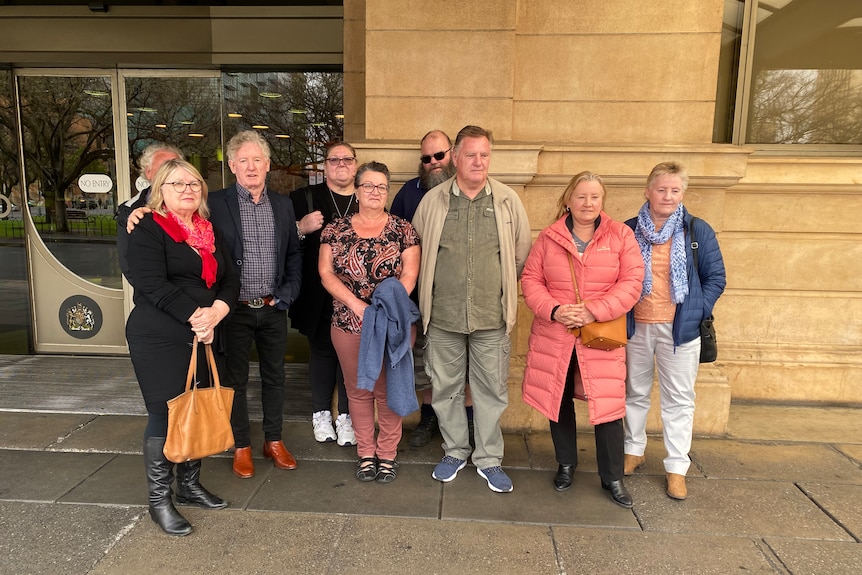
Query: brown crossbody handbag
point(606, 335)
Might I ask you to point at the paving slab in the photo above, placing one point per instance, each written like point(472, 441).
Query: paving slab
point(608, 552)
point(106, 433)
point(332, 487)
point(45, 476)
point(841, 501)
point(229, 542)
point(730, 459)
point(425, 546)
point(534, 500)
point(852, 451)
point(21, 430)
point(802, 557)
point(55, 539)
point(786, 423)
point(732, 508)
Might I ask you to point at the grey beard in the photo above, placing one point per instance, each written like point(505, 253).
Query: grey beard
point(431, 179)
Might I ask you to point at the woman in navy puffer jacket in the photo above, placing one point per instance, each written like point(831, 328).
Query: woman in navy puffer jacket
point(663, 327)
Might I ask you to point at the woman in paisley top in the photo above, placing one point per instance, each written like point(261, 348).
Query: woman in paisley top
point(357, 253)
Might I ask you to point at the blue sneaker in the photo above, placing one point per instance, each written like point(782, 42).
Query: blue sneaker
point(448, 468)
point(497, 479)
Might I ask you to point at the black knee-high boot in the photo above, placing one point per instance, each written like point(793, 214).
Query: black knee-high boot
point(189, 488)
point(159, 478)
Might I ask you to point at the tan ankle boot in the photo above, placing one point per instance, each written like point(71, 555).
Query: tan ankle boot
point(676, 486)
point(632, 462)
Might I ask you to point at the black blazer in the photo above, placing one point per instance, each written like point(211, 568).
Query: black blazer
point(224, 214)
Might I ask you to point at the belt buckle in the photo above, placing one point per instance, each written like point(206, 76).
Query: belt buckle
point(256, 303)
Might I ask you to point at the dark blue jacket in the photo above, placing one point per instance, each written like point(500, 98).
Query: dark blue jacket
point(704, 285)
point(385, 341)
point(224, 214)
point(407, 199)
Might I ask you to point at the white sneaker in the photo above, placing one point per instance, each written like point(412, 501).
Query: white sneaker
point(322, 422)
point(344, 426)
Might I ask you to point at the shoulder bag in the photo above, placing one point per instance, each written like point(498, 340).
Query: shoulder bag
point(606, 335)
point(199, 418)
point(708, 343)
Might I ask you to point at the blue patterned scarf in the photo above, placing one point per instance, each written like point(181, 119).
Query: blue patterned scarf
point(647, 236)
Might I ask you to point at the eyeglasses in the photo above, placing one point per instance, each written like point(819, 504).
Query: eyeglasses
point(438, 156)
point(348, 161)
point(368, 187)
point(180, 187)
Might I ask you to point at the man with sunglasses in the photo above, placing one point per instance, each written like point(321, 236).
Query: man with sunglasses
point(435, 167)
point(475, 240)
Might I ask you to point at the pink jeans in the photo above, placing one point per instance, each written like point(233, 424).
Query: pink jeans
point(362, 403)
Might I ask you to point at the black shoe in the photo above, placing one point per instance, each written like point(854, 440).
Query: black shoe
point(189, 488)
point(563, 479)
point(619, 493)
point(427, 428)
point(160, 476)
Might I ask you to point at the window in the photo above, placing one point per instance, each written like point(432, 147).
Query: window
point(801, 73)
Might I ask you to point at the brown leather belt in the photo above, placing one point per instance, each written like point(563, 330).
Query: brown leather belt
point(257, 302)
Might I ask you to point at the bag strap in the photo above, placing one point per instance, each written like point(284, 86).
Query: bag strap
point(308, 199)
point(193, 364)
point(694, 245)
point(574, 281)
point(214, 378)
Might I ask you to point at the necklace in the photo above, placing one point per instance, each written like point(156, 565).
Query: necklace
point(337, 210)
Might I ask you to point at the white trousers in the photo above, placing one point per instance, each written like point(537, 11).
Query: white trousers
point(651, 347)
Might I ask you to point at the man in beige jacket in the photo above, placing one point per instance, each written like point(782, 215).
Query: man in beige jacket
point(475, 240)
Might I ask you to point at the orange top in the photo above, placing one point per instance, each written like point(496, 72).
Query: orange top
point(657, 307)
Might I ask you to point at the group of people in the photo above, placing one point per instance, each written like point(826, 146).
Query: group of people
point(226, 266)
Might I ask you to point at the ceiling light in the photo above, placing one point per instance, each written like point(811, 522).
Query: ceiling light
point(270, 95)
point(234, 115)
point(97, 93)
point(186, 122)
point(161, 125)
point(282, 136)
point(296, 111)
point(260, 127)
point(196, 135)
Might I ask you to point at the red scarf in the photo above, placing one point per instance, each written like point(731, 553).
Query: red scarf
point(200, 237)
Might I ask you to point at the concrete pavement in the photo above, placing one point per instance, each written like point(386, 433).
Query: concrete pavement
point(781, 494)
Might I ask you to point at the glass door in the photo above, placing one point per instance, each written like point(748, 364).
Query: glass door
point(82, 133)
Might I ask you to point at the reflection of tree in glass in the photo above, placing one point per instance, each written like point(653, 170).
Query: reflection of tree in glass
point(9, 173)
point(302, 112)
point(181, 111)
point(806, 107)
point(67, 125)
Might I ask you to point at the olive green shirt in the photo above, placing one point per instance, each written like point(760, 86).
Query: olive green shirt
point(468, 280)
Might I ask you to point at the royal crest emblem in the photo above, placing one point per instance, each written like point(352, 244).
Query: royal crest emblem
point(80, 318)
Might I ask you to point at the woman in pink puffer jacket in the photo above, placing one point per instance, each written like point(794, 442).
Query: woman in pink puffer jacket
point(609, 270)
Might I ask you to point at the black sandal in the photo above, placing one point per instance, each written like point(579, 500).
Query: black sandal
point(389, 473)
point(367, 469)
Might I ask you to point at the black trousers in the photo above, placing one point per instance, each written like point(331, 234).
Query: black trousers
point(324, 372)
point(266, 327)
point(609, 436)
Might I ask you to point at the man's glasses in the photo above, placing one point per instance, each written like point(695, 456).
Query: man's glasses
point(180, 187)
point(368, 187)
point(348, 161)
point(438, 156)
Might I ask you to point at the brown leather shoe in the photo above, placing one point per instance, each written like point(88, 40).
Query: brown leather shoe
point(243, 466)
point(279, 454)
point(632, 462)
point(676, 486)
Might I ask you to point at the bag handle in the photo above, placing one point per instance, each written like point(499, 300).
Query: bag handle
point(193, 369)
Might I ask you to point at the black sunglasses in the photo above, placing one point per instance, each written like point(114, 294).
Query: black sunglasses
point(438, 156)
